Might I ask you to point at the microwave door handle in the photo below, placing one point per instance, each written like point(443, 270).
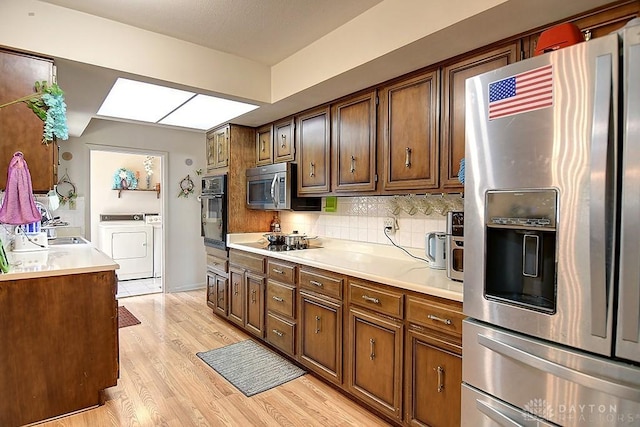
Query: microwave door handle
point(599, 227)
point(275, 190)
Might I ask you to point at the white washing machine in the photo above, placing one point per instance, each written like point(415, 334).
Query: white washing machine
point(128, 239)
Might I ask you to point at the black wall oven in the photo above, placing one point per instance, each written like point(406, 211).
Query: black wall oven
point(213, 221)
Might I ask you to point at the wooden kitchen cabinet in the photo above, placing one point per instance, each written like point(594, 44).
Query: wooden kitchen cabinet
point(320, 340)
point(280, 302)
point(433, 364)
point(246, 291)
point(217, 293)
point(433, 376)
point(20, 128)
point(236, 295)
point(254, 300)
point(453, 107)
point(375, 361)
point(218, 148)
point(284, 147)
point(409, 116)
point(264, 145)
point(353, 141)
point(313, 138)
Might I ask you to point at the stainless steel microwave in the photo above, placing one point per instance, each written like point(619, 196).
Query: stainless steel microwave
point(274, 187)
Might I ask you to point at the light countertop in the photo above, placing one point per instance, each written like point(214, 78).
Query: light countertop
point(370, 261)
point(58, 260)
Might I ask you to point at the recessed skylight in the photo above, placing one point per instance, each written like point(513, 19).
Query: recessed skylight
point(132, 100)
point(205, 112)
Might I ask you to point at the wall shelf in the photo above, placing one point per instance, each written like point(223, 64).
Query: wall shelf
point(120, 190)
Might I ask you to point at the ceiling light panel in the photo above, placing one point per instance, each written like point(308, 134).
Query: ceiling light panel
point(129, 99)
point(204, 112)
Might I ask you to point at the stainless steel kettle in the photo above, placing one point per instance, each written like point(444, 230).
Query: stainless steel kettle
point(436, 249)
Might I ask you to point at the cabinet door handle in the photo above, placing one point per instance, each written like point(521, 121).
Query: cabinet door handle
point(275, 270)
point(253, 296)
point(284, 140)
point(407, 158)
point(315, 283)
point(317, 331)
point(277, 332)
point(440, 371)
point(372, 343)
point(439, 319)
point(262, 142)
point(275, 298)
point(353, 164)
point(371, 299)
point(312, 169)
point(235, 288)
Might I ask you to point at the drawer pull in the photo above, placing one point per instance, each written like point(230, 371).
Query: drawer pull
point(371, 299)
point(440, 371)
point(275, 298)
point(317, 331)
point(275, 270)
point(439, 319)
point(372, 342)
point(353, 165)
point(407, 157)
point(277, 332)
point(316, 283)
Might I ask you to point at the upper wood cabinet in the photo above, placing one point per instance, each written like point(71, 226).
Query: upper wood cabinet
point(595, 24)
point(284, 147)
point(264, 145)
point(20, 128)
point(409, 128)
point(354, 143)
point(312, 134)
point(218, 148)
point(453, 106)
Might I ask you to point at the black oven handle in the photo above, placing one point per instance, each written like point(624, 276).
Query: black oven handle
point(211, 196)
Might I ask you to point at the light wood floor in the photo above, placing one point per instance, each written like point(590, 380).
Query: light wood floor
point(163, 383)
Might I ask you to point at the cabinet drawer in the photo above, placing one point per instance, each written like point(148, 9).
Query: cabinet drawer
point(281, 298)
point(248, 261)
point(321, 282)
point(281, 333)
point(374, 298)
point(281, 271)
point(441, 316)
point(217, 264)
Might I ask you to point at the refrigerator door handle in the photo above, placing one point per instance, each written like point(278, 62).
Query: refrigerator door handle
point(535, 361)
point(496, 415)
point(597, 190)
point(629, 315)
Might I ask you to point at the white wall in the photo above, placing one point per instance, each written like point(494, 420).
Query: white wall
point(184, 249)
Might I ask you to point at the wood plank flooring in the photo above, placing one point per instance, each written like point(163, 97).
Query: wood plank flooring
point(163, 383)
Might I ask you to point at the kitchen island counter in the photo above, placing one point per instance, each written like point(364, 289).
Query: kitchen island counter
point(58, 260)
point(378, 263)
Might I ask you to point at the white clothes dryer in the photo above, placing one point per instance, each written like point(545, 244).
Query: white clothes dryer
point(128, 239)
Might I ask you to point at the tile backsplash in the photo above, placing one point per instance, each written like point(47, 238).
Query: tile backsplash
point(362, 218)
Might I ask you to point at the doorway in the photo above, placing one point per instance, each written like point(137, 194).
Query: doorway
point(126, 199)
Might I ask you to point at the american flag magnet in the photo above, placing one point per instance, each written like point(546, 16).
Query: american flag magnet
point(528, 91)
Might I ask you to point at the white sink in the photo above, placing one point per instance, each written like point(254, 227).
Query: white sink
point(70, 240)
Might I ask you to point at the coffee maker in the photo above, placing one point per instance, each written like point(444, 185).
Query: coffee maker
point(455, 245)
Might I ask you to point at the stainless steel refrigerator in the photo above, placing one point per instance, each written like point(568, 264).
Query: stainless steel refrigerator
point(552, 234)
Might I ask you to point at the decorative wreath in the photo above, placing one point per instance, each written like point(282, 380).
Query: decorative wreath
point(186, 187)
point(124, 179)
point(66, 190)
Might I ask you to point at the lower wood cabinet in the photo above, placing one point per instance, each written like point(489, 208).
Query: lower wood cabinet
point(254, 298)
point(281, 333)
point(217, 293)
point(375, 361)
point(236, 296)
point(433, 375)
point(320, 335)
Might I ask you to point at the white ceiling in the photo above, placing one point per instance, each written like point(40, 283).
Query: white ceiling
point(268, 31)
